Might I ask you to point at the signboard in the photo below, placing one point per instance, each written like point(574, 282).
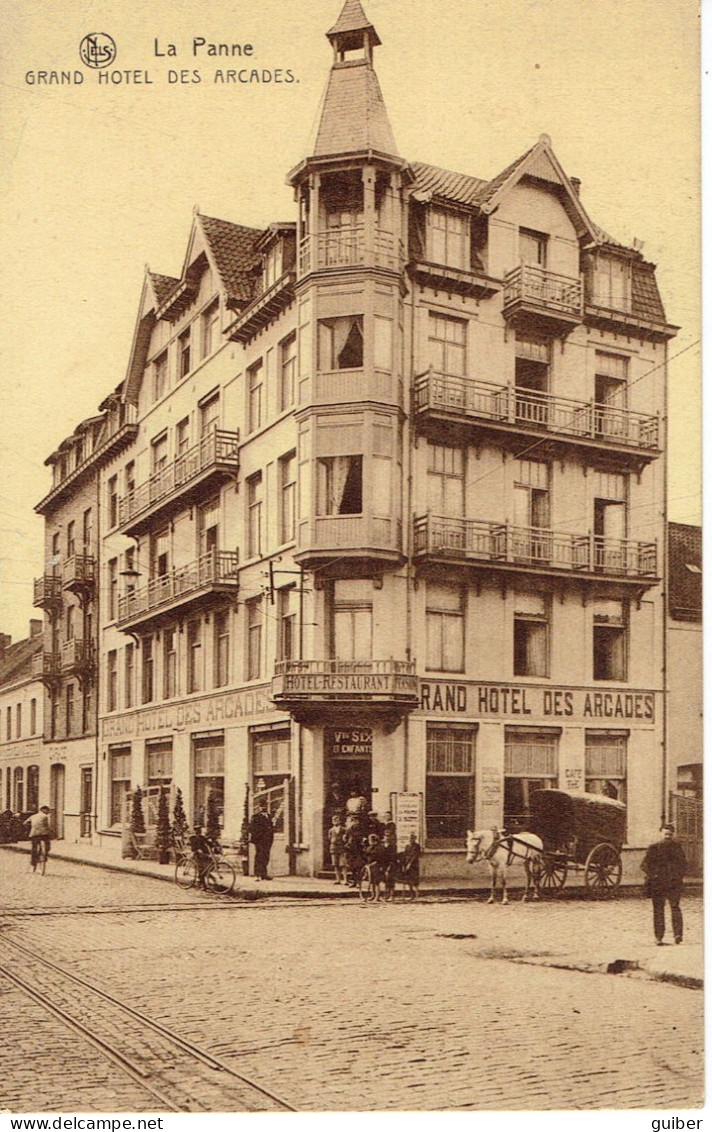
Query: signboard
point(407, 813)
point(533, 702)
point(348, 742)
point(230, 707)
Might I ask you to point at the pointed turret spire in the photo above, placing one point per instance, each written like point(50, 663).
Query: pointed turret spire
point(351, 25)
point(353, 116)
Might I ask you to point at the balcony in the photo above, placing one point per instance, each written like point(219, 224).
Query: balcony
point(346, 247)
point(505, 411)
point(201, 468)
point(264, 308)
point(321, 691)
point(77, 657)
point(542, 300)
point(78, 574)
point(373, 542)
point(46, 666)
point(345, 386)
point(196, 584)
point(48, 593)
point(535, 550)
point(458, 280)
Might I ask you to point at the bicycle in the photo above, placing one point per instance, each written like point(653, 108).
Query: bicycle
point(215, 875)
point(369, 882)
point(40, 855)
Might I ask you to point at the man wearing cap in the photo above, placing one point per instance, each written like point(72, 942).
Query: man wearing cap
point(664, 865)
point(39, 832)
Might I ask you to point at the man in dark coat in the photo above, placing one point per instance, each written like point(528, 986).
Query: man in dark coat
point(664, 865)
point(261, 836)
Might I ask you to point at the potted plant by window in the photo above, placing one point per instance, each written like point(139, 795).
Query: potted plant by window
point(179, 830)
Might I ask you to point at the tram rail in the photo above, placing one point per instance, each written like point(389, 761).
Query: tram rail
point(176, 1072)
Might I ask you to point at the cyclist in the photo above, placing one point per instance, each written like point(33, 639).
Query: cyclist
point(39, 833)
point(201, 848)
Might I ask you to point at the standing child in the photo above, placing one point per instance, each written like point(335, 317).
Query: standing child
point(337, 849)
point(410, 864)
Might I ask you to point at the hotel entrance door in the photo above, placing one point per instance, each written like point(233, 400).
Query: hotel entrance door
point(347, 768)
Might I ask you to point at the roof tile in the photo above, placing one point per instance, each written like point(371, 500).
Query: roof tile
point(459, 187)
point(233, 249)
point(354, 116)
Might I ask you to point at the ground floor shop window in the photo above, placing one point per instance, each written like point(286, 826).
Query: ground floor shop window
point(530, 763)
point(606, 758)
point(208, 777)
point(159, 762)
point(120, 769)
point(450, 784)
point(33, 788)
point(271, 770)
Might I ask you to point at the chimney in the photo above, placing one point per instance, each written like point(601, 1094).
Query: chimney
point(5, 642)
point(36, 627)
point(576, 185)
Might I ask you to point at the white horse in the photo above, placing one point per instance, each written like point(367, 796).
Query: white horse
point(500, 850)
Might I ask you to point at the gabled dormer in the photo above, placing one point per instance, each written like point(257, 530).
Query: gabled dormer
point(275, 274)
point(446, 232)
point(181, 319)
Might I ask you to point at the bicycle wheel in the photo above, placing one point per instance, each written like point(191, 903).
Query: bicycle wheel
point(367, 890)
point(220, 878)
point(186, 874)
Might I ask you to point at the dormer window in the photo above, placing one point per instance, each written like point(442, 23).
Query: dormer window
point(532, 247)
point(272, 265)
point(447, 239)
point(612, 283)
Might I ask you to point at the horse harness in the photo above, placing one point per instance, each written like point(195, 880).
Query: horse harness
point(504, 842)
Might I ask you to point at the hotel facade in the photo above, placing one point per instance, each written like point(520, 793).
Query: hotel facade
point(387, 510)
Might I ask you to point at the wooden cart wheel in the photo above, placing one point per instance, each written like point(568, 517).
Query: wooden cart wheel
point(603, 870)
point(552, 873)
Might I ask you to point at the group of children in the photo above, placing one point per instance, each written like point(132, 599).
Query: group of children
point(358, 839)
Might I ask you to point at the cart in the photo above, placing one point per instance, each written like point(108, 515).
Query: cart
point(581, 833)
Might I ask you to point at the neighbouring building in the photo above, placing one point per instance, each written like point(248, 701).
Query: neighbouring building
point(23, 780)
point(685, 685)
point(391, 516)
point(67, 593)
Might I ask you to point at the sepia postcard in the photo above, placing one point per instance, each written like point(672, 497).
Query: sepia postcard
point(351, 562)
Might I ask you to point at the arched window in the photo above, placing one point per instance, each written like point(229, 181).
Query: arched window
point(18, 792)
point(33, 788)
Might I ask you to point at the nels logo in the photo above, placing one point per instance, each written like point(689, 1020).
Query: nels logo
point(97, 50)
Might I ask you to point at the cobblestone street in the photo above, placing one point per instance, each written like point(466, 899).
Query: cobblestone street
point(335, 1005)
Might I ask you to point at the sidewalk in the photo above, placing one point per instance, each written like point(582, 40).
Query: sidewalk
point(683, 964)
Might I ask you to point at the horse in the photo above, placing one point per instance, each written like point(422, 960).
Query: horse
point(500, 850)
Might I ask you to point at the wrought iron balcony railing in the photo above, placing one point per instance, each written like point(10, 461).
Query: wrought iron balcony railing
point(46, 665)
point(544, 291)
point(77, 655)
point(78, 572)
point(217, 450)
point(512, 405)
point(533, 547)
point(216, 569)
point(47, 591)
